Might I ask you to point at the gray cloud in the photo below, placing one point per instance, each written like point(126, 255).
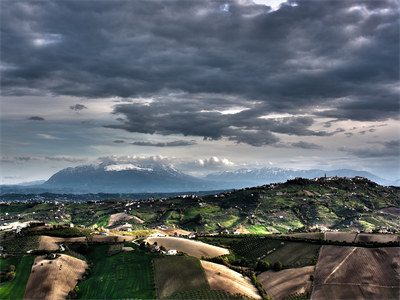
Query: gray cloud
point(377, 149)
point(305, 145)
point(36, 118)
point(340, 55)
point(77, 107)
point(119, 141)
point(165, 144)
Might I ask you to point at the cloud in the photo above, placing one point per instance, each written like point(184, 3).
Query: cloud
point(119, 141)
point(77, 107)
point(376, 150)
point(305, 145)
point(206, 119)
point(165, 144)
point(25, 159)
point(36, 118)
point(214, 162)
point(316, 53)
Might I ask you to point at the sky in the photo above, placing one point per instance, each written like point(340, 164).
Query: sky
point(204, 86)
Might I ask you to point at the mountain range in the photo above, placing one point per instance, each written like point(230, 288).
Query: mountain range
point(130, 178)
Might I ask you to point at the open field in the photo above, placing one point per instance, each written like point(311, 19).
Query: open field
point(15, 289)
point(379, 238)
point(377, 273)
point(175, 274)
point(193, 248)
point(203, 294)
point(222, 278)
point(119, 217)
point(294, 254)
point(173, 231)
point(347, 237)
point(308, 235)
point(53, 278)
point(286, 282)
point(50, 243)
point(124, 275)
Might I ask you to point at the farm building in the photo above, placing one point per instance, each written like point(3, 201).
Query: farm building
point(172, 252)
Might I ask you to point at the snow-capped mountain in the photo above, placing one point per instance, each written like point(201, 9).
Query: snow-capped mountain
point(125, 178)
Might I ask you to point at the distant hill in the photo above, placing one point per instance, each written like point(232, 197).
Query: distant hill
point(158, 178)
point(250, 177)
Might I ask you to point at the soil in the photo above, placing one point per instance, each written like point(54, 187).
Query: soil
point(53, 279)
point(222, 278)
point(193, 248)
point(286, 282)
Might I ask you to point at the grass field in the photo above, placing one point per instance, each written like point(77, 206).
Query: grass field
point(175, 274)
point(15, 289)
point(293, 254)
point(258, 229)
point(125, 275)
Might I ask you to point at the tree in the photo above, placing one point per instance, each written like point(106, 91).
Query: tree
point(278, 266)
point(262, 266)
point(10, 276)
point(11, 268)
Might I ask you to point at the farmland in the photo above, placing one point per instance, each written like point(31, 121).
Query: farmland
point(15, 289)
point(53, 278)
point(293, 254)
point(176, 274)
point(377, 272)
point(124, 275)
point(286, 282)
point(222, 278)
point(193, 248)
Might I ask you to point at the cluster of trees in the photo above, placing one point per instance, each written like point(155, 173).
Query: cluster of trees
point(263, 266)
point(10, 274)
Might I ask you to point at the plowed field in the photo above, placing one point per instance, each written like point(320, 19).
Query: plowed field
point(286, 282)
point(52, 279)
point(193, 248)
point(355, 272)
point(222, 278)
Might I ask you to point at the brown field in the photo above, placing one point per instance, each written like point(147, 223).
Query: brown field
point(220, 277)
point(50, 243)
point(379, 238)
point(347, 237)
point(127, 249)
point(47, 281)
point(286, 282)
point(193, 248)
point(391, 210)
point(114, 218)
point(173, 231)
point(357, 273)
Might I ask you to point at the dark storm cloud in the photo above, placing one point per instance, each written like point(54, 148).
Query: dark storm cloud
point(36, 118)
point(165, 144)
point(377, 149)
point(77, 107)
point(188, 118)
point(342, 56)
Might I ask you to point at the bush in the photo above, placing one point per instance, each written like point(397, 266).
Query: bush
point(10, 276)
point(11, 268)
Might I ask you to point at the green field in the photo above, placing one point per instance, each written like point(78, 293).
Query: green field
point(174, 274)
point(258, 229)
point(125, 275)
point(293, 254)
point(15, 289)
